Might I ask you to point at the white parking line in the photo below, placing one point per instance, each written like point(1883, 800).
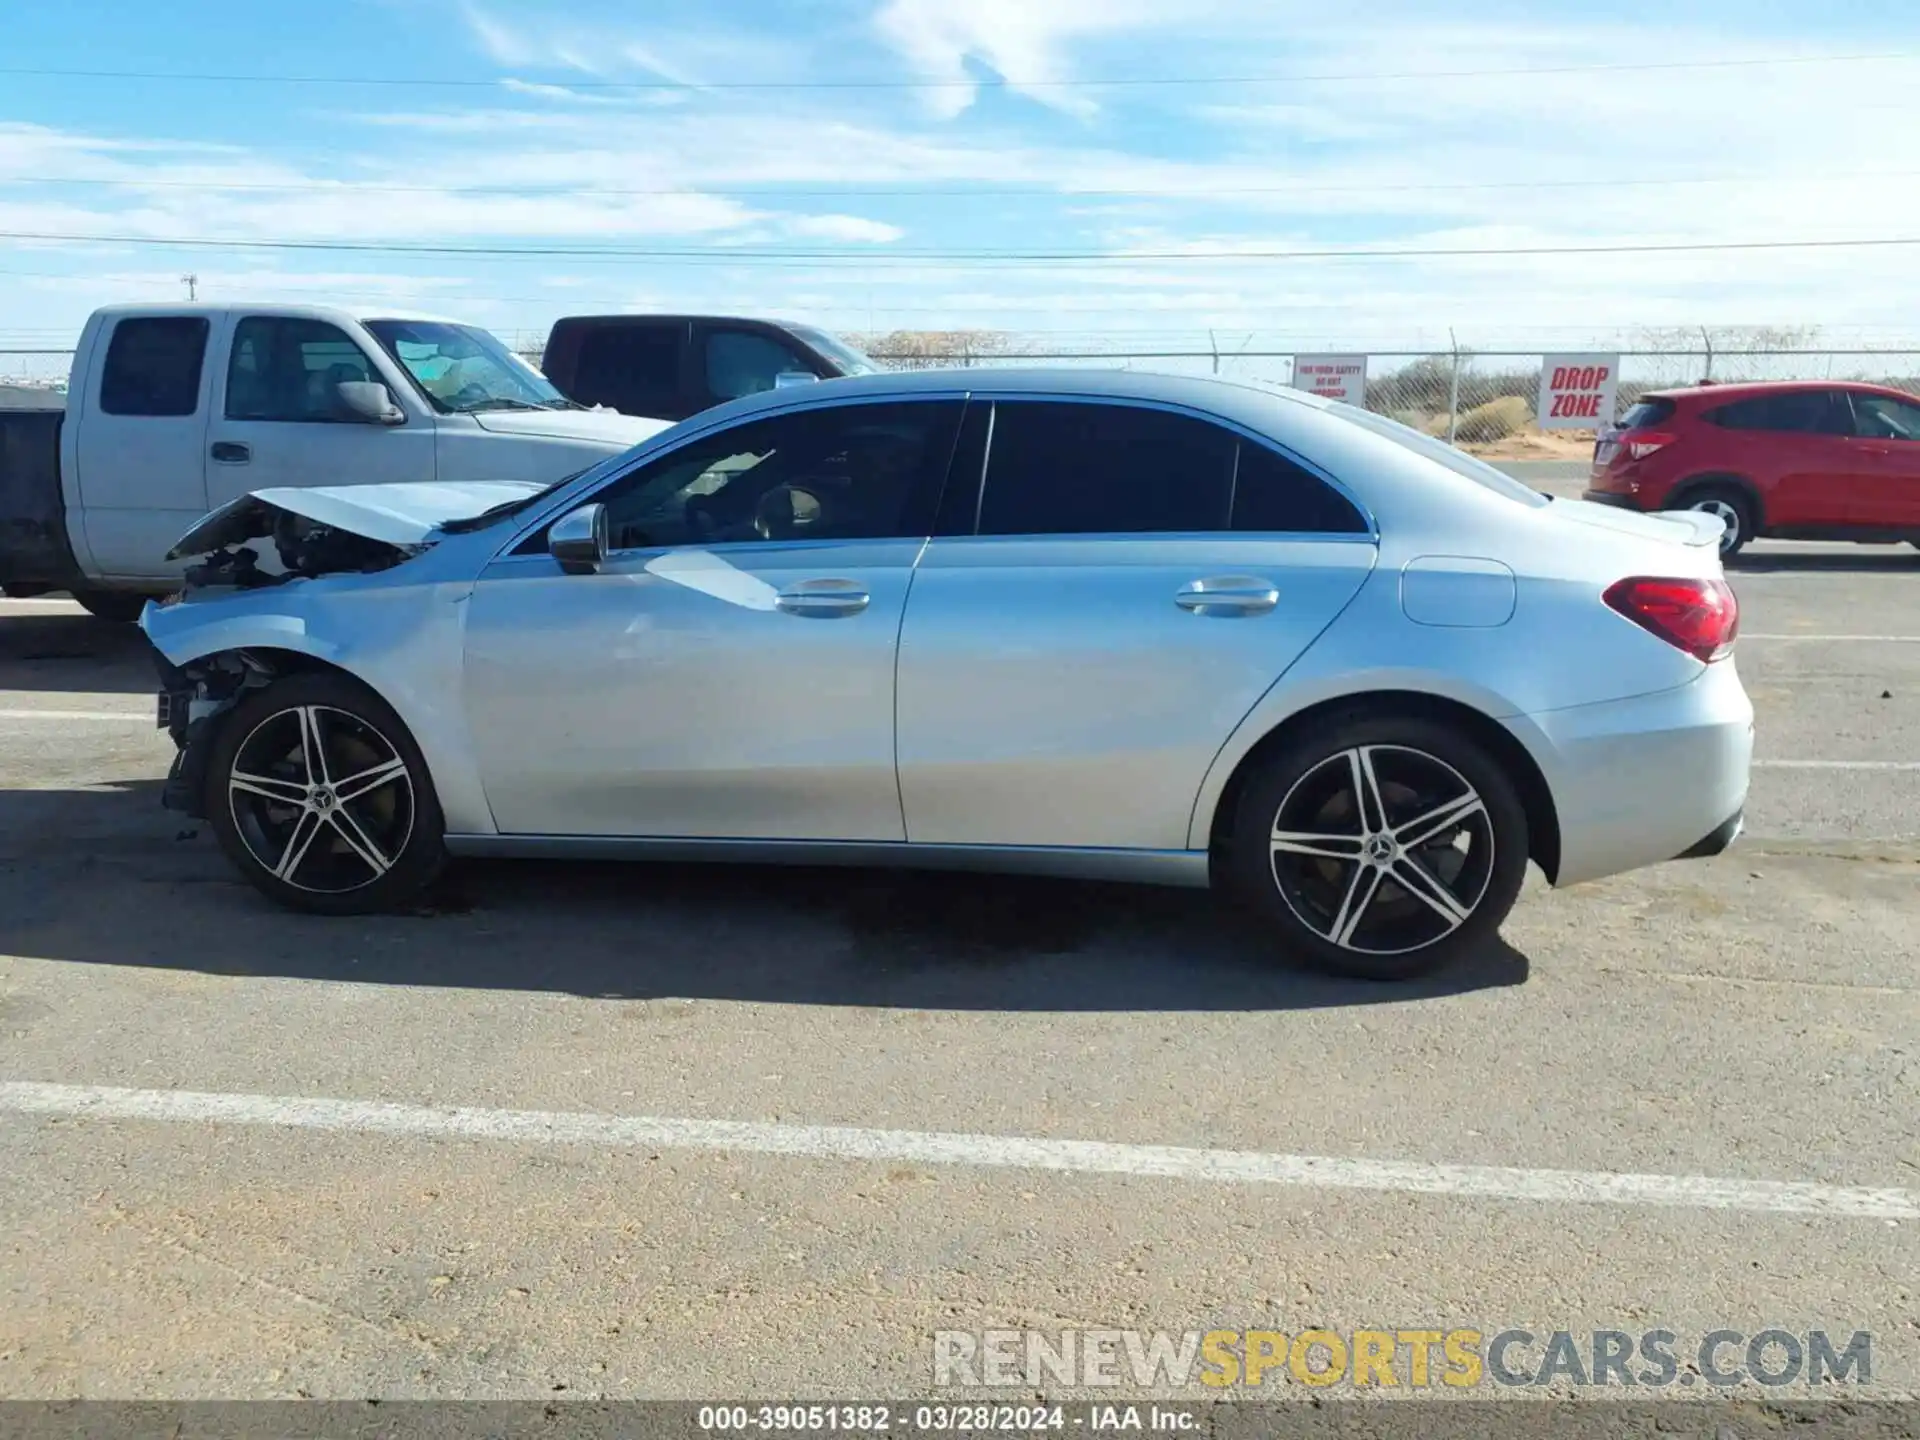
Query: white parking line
point(1836, 764)
point(833, 1142)
point(145, 717)
point(125, 717)
point(1841, 639)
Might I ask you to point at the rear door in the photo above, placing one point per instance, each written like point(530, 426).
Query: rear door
point(1884, 487)
point(1112, 592)
point(277, 420)
point(140, 442)
point(637, 365)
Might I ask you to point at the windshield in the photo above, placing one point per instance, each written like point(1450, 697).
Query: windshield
point(1458, 461)
point(463, 369)
point(850, 360)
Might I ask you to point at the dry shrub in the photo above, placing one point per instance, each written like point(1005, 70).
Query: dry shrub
point(1495, 420)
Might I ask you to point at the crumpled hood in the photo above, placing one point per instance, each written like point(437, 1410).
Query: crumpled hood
point(405, 514)
point(1685, 527)
point(608, 427)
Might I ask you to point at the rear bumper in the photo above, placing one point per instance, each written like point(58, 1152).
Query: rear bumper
point(1723, 836)
point(1641, 781)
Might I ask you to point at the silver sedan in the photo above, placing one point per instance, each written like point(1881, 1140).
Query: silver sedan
point(1104, 625)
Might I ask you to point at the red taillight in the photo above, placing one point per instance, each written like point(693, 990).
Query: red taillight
point(1701, 617)
point(1646, 442)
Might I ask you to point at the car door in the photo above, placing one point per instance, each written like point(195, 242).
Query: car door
point(1127, 583)
point(1884, 483)
point(280, 423)
point(1794, 444)
point(140, 443)
point(728, 672)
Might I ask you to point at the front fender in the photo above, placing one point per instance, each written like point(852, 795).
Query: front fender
point(402, 641)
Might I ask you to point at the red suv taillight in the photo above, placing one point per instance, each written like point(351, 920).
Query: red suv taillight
point(1639, 445)
point(1701, 617)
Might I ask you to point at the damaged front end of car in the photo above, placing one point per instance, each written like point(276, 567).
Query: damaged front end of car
point(258, 547)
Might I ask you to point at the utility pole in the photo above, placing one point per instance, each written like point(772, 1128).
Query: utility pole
point(192, 282)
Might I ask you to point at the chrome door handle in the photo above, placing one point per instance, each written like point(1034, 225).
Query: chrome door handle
point(823, 599)
point(1228, 595)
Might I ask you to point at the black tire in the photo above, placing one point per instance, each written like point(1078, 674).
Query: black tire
point(1419, 765)
point(123, 606)
point(1734, 508)
point(395, 819)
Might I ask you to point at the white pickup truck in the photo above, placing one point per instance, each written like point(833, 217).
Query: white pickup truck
point(174, 410)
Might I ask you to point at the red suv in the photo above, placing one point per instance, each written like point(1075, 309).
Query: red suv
point(1802, 460)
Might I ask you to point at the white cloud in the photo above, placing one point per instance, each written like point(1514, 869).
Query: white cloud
point(1021, 40)
point(850, 228)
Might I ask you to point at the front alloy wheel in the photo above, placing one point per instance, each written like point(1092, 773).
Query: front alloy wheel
point(319, 795)
point(1381, 846)
point(321, 799)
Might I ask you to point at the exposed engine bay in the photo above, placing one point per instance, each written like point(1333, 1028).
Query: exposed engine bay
point(304, 548)
point(331, 530)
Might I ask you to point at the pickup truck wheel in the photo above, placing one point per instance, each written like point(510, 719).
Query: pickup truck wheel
point(121, 605)
point(319, 795)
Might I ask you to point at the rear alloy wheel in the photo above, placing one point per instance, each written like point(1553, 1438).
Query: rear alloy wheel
point(1731, 509)
point(1383, 847)
point(319, 795)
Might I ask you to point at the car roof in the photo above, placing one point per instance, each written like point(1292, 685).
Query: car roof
point(615, 317)
point(1199, 392)
point(296, 308)
point(1749, 389)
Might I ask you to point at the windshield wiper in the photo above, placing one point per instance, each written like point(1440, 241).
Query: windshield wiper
point(500, 402)
point(505, 507)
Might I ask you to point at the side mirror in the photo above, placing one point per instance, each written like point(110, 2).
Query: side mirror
point(578, 540)
point(787, 379)
point(370, 401)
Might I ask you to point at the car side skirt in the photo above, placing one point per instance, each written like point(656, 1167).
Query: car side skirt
point(1186, 869)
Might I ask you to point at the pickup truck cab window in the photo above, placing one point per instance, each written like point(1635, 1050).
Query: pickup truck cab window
point(285, 368)
point(462, 370)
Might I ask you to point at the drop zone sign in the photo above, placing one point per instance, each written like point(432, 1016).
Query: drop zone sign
point(1577, 392)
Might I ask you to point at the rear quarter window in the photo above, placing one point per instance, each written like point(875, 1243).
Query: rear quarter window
point(153, 366)
point(1645, 414)
point(1441, 453)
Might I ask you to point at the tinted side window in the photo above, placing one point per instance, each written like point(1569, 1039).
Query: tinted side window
point(153, 366)
point(848, 472)
point(1881, 417)
point(742, 363)
point(1067, 469)
point(1803, 412)
point(635, 368)
point(1272, 493)
point(285, 369)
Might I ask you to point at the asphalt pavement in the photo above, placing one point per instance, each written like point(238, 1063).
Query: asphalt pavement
point(662, 1131)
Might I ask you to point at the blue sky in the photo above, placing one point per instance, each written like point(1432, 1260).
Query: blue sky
point(892, 134)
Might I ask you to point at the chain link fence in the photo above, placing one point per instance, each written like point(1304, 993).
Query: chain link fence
point(1482, 400)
